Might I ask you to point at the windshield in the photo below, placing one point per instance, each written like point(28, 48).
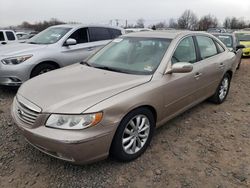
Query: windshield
point(226, 39)
point(49, 36)
point(243, 36)
point(131, 55)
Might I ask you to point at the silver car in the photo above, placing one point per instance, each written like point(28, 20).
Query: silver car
point(55, 47)
point(112, 103)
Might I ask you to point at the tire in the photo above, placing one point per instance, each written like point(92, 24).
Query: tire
point(221, 93)
point(126, 135)
point(42, 68)
point(238, 67)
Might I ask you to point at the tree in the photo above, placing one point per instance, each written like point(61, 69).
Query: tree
point(227, 23)
point(235, 23)
point(161, 25)
point(188, 20)
point(140, 23)
point(172, 23)
point(207, 22)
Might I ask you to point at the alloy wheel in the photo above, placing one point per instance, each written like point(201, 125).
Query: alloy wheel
point(135, 134)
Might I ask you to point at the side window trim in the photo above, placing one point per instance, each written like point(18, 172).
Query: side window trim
point(218, 50)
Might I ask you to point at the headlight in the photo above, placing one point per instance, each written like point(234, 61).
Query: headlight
point(83, 121)
point(15, 60)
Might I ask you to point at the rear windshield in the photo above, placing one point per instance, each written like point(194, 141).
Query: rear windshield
point(243, 36)
point(132, 55)
point(226, 39)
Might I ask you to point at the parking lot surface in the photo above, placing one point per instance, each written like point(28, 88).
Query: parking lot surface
point(208, 146)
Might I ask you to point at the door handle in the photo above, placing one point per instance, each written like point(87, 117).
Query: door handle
point(197, 75)
point(3, 43)
point(90, 49)
point(222, 65)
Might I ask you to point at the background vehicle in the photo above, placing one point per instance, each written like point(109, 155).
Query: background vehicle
point(21, 35)
point(55, 47)
point(131, 30)
point(217, 30)
point(7, 37)
point(232, 43)
point(244, 38)
point(113, 102)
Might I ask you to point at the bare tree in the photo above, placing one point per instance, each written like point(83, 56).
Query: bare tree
point(161, 25)
point(140, 23)
point(227, 23)
point(39, 26)
point(207, 21)
point(188, 20)
point(172, 23)
point(235, 23)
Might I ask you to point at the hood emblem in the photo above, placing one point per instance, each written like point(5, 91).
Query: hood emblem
point(20, 112)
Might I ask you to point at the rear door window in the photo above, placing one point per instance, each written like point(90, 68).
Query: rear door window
point(99, 33)
point(185, 51)
point(80, 35)
point(1, 36)
point(207, 47)
point(10, 35)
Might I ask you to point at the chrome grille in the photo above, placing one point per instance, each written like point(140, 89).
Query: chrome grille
point(25, 114)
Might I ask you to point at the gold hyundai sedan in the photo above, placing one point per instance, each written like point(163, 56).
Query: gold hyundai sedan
point(111, 103)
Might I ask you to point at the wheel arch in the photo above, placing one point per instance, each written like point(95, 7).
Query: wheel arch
point(45, 62)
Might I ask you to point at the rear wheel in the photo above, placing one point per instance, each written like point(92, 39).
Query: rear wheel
point(222, 90)
point(133, 135)
point(42, 68)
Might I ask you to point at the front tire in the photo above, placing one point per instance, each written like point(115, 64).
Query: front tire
point(42, 68)
point(133, 135)
point(222, 90)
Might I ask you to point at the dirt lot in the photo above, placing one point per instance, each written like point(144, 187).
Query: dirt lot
point(208, 146)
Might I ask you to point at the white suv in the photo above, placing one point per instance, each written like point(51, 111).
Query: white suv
point(55, 47)
point(7, 37)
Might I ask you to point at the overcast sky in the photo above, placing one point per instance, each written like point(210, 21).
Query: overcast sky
point(13, 12)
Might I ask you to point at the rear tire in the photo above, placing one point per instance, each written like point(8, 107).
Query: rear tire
point(42, 68)
point(222, 90)
point(133, 135)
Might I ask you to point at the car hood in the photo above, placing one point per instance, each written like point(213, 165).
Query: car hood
point(76, 88)
point(19, 49)
point(245, 43)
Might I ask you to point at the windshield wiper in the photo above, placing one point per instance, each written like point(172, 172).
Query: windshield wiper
point(110, 69)
point(85, 63)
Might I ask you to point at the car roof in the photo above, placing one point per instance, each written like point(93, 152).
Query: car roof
point(228, 34)
point(76, 26)
point(169, 34)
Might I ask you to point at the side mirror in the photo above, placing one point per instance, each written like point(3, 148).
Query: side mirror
point(70, 42)
point(240, 47)
point(181, 67)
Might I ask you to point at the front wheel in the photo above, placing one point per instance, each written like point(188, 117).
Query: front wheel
point(42, 68)
point(222, 90)
point(133, 135)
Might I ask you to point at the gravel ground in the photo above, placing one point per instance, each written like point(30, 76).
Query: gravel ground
point(208, 146)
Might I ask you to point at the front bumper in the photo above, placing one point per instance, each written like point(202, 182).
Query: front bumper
point(75, 146)
point(246, 52)
point(14, 75)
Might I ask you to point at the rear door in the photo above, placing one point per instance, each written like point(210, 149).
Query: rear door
point(213, 63)
point(10, 36)
point(99, 37)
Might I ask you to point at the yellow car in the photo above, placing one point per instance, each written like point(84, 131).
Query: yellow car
point(244, 38)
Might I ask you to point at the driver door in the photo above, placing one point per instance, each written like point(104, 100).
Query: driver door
point(182, 90)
